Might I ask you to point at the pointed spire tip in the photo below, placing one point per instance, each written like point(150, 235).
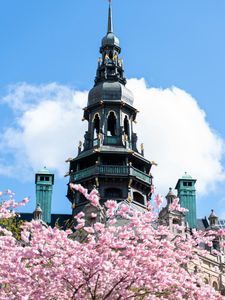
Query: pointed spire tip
point(110, 23)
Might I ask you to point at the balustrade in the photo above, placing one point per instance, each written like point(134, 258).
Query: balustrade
point(111, 170)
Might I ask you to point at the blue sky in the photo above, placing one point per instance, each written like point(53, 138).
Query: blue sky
point(168, 43)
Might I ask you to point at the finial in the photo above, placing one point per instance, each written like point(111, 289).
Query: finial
point(110, 24)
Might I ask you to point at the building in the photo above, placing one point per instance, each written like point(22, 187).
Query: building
point(186, 192)
point(109, 158)
point(211, 267)
point(44, 181)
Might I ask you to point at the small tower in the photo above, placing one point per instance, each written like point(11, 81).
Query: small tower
point(213, 219)
point(38, 213)
point(109, 158)
point(44, 181)
point(186, 192)
point(214, 225)
point(170, 218)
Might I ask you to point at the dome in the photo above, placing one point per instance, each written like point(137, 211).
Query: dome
point(170, 193)
point(110, 40)
point(110, 91)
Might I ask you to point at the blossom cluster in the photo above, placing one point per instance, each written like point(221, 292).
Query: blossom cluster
point(135, 261)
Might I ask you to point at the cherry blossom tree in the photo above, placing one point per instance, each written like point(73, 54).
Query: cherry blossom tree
point(139, 260)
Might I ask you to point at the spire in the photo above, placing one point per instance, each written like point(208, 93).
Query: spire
point(110, 66)
point(110, 23)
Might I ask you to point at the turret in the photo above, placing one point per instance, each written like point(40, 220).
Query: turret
point(213, 219)
point(109, 158)
point(38, 213)
point(170, 217)
point(44, 181)
point(186, 193)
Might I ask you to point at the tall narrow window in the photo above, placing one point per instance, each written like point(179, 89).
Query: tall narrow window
point(111, 124)
point(96, 125)
point(126, 126)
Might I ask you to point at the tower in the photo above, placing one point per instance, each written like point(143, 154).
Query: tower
point(170, 218)
point(38, 213)
point(186, 193)
point(108, 158)
point(44, 181)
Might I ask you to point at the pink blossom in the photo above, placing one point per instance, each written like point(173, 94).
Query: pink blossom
point(158, 200)
point(152, 189)
point(94, 200)
point(138, 260)
point(93, 215)
point(176, 206)
point(79, 215)
point(111, 204)
point(89, 229)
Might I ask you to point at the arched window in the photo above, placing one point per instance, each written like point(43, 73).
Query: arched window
point(206, 281)
point(113, 193)
point(111, 55)
point(111, 124)
point(215, 285)
point(138, 198)
point(96, 125)
point(126, 126)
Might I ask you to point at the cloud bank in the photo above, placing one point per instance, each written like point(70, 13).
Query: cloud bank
point(48, 127)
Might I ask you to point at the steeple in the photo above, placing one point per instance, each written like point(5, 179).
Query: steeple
point(109, 159)
point(110, 23)
point(110, 66)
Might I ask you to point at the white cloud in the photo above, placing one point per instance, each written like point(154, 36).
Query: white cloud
point(170, 123)
point(177, 136)
point(48, 128)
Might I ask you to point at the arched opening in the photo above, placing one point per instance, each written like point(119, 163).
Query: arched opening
point(96, 126)
point(126, 126)
point(176, 221)
point(111, 54)
point(111, 193)
point(206, 281)
point(137, 197)
point(215, 285)
point(111, 124)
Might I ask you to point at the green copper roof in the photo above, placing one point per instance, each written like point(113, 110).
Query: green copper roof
point(44, 171)
point(186, 176)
